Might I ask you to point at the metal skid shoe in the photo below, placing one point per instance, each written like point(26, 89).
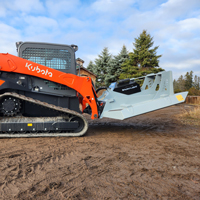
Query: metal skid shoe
point(126, 99)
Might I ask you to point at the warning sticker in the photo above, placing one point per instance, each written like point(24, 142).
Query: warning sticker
point(29, 124)
point(180, 97)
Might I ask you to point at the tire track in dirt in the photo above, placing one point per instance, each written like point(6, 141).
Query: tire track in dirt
point(19, 168)
point(147, 157)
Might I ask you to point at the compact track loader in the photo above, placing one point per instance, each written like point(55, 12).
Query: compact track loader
point(40, 93)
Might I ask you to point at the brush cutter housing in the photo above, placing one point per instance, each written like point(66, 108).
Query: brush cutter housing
point(126, 99)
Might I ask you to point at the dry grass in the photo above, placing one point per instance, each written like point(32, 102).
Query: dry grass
point(191, 117)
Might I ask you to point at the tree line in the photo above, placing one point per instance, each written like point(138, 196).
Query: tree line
point(142, 61)
point(187, 83)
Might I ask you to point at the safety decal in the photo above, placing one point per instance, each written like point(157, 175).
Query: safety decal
point(180, 97)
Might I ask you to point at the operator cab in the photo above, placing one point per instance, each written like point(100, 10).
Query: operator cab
point(56, 56)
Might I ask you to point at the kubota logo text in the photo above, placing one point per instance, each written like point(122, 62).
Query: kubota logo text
point(38, 70)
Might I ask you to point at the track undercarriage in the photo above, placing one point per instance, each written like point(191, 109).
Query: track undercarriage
point(14, 124)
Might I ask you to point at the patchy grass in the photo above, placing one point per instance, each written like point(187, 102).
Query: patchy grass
point(191, 117)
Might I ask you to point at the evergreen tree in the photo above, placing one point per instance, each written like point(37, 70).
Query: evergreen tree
point(91, 67)
point(129, 68)
point(181, 83)
point(176, 86)
point(197, 82)
point(114, 70)
point(102, 63)
point(146, 57)
point(143, 60)
point(186, 83)
point(188, 80)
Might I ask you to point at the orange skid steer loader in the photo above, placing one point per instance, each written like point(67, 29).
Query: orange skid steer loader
point(40, 93)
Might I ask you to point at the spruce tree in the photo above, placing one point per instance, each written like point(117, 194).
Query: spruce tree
point(176, 86)
point(143, 60)
point(102, 63)
point(91, 67)
point(188, 80)
point(129, 68)
point(197, 82)
point(146, 57)
point(181, 83)
point(114, 70)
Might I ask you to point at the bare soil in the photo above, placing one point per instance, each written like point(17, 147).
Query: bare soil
point(152, 156)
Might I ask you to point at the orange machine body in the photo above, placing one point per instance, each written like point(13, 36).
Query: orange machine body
point(83, 85)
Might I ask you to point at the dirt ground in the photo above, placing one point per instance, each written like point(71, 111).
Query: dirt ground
point(151, 156)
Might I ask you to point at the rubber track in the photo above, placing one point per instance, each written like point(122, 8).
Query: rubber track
point(57, 108)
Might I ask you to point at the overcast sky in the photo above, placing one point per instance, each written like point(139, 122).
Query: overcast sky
point(93, 25)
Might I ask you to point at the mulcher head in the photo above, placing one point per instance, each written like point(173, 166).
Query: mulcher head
point(126, 99)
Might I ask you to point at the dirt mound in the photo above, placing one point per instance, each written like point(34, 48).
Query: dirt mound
point(152, 156)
